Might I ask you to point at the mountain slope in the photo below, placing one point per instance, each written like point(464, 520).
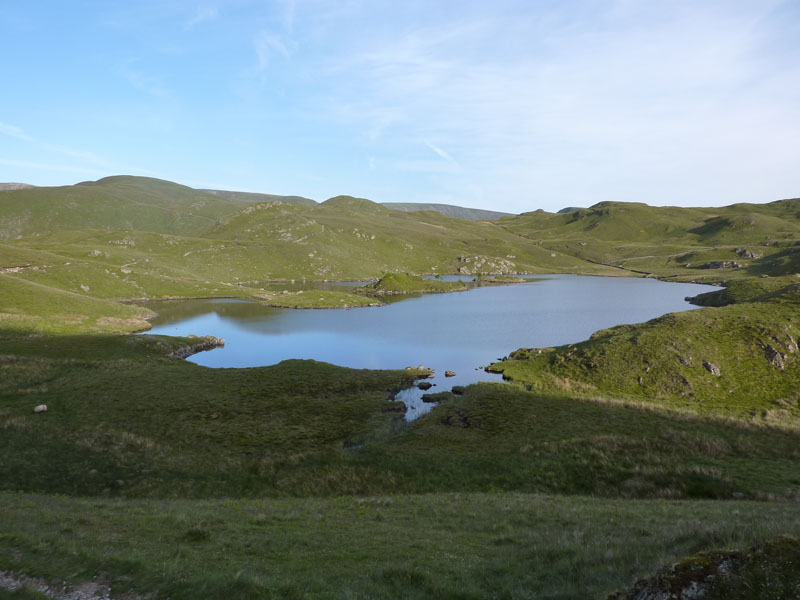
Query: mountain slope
point(120, 202)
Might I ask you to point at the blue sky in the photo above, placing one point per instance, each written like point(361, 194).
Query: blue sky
point(506, 105)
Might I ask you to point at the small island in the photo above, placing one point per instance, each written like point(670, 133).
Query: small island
point(394, 284)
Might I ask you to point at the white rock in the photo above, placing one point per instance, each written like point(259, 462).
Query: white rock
point(40, 409)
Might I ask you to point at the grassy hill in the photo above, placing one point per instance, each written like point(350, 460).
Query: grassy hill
point(121, 202)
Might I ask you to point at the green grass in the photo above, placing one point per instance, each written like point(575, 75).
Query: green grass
point(27, 307)
point(439, 545)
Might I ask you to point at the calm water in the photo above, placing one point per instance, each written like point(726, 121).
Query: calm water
point(461, 332)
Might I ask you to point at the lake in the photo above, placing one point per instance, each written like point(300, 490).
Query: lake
point(461, 331)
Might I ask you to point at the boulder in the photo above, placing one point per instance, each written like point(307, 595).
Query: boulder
point(449, 373)
point(40, 409)
point(424, 385)
point(712, 368)
point(776, 358)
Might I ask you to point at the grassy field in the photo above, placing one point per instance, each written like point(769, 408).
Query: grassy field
point(500, 545)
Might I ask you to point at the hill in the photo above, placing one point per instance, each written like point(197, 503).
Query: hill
point(120, 202)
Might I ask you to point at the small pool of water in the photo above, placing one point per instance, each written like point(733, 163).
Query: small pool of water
point(460, 332)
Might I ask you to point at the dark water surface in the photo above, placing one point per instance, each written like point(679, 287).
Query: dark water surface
point(461, 331)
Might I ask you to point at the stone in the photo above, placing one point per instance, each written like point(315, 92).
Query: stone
point(776, 358)
point(712, 368)
point(424, 385)
point(40, 409)
point(449, 373)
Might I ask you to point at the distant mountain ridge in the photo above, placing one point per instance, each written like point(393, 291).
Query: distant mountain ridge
point(450, 210)
point(14, 186)
point(255, 198)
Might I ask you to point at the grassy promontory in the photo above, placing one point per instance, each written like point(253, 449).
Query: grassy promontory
point(315, 299)
point(397, 284)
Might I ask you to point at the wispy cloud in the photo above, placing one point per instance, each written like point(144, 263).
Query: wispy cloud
point(52, 167)
point(627, 97)
point(16, 132)
point(86, 158)
point(266, 45)
point(441, 153)
point(146, 84)
point(202, 14)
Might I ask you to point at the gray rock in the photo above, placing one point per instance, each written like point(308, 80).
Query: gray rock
point(712, 368)
point(776, 358)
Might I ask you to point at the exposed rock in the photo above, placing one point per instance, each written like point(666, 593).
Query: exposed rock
point(424, 385)
point(458, 390)
point(712, 368)
point(791, 347)
point(776, 358)
point(40, 409)
point(745, 253)
point(449, 373)
point(721, 264)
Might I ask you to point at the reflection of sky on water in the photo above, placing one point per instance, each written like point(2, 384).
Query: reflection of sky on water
point(459, 332)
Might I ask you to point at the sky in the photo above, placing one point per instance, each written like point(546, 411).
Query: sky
point(504, 105)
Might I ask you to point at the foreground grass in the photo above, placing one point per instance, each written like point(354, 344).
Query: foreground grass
point(442, 545)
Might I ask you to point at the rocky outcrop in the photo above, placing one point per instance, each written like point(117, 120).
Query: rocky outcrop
point(721, 264)
point(449, 373)
point(424, 385)
point(472, 265)
point(745, 254)
point(208, 342)
point(768, 571)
